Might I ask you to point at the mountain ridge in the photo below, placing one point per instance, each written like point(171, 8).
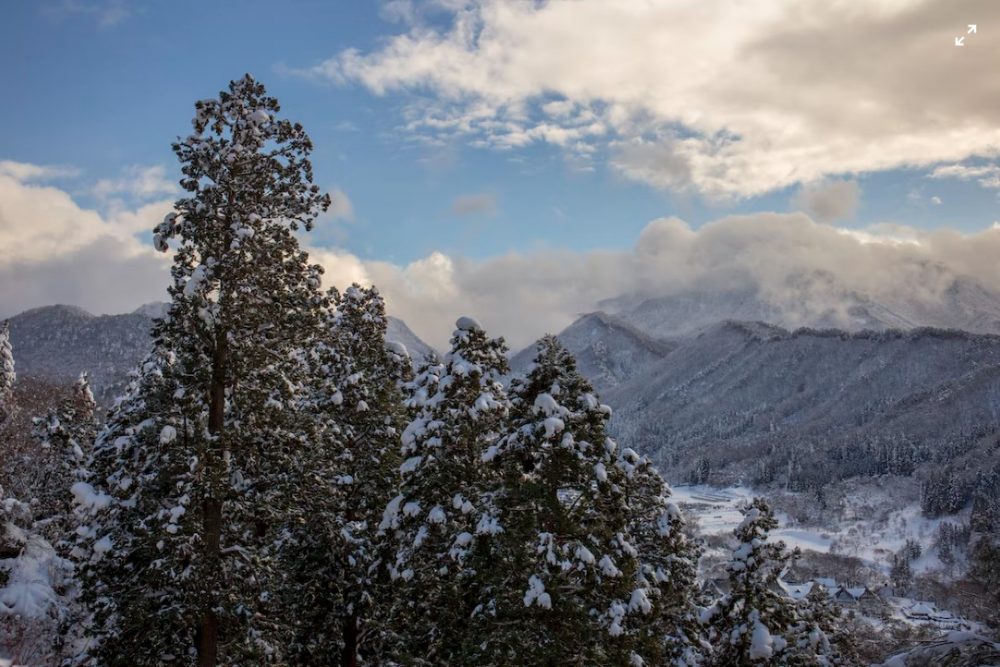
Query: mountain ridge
point(56, 343)
point(608, 350)
point(810, 301)
point(810, 406)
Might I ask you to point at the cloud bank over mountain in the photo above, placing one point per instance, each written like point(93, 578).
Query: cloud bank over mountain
point(55, 251)
point(64, 253)
point(807, 268)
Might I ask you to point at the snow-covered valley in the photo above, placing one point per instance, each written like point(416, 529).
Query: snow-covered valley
point(869, 536)
point(717, 511)
point(863, 533)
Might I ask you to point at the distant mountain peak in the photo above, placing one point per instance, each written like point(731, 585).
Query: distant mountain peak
point(154, 309)
point(608, 350)
point(810, 300)
point(56, 310)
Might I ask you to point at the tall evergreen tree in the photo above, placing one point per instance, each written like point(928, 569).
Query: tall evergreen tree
point(335, 581)
point(7, 374)
point(750, 624)
point(445, 511)
point(569, 582)
point(68, 433)
point(201, 459)
point(668, 565)
point(822, 636)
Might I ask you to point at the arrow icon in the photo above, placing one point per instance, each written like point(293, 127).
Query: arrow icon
point(972, 29)
point(960, 41)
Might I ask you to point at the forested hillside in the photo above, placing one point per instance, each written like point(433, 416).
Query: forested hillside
point(762, 405)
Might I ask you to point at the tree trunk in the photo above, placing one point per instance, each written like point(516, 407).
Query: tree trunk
point(207, 637)
point(349, 656)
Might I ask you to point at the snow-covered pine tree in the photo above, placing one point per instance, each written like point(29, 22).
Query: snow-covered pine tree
point(197, 469)
point(118, 532)
point(444, 511)
point(750, 624)
point(669, 565)
point(569, 582)
point(68, 432)
point(823, 636)
point(7, 374)
point(333, 568)
point(39, 614)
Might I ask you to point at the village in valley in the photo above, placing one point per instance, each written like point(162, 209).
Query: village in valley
point(868, 593)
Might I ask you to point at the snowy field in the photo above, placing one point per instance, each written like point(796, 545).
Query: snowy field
point(717, 511)
point(872, 525)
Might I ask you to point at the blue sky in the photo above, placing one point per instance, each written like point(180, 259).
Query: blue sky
point(474, 130)
point(101, 87)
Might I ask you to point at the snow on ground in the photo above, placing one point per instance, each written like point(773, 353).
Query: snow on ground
point(872, 524)
point(875, 524)
point(718, 512)
point(29, 592)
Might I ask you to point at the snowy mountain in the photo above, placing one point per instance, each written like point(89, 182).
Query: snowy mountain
point(608, 350)
point(811, 300)
point(756, 403)
point(56, 343)
point(398, 332)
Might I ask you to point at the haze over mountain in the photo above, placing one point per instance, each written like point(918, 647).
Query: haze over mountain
point(811, 300)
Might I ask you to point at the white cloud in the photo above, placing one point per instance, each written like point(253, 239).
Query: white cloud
point(57, 252)
point(142, 219)
point(138, 182)
point(399, 11)
point(24, 172)
point(63, 253)
point(810, 267)
point(987, 175)
point(730, 99)
point(937, 201)
point(829, 200)
point(341, 207)
point(482, 203)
